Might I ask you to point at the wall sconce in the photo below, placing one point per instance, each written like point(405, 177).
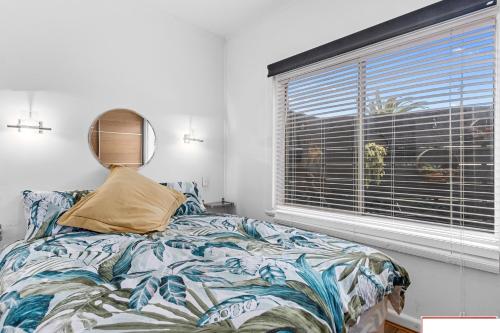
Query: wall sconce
point(30, 123)
point(188, 138)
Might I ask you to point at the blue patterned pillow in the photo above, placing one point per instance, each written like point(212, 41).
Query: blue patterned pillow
point(43, 208)
point(193, 204)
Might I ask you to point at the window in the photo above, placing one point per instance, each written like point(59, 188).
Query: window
point(402, 129)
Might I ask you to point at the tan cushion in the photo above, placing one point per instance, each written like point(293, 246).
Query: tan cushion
point(126, 202)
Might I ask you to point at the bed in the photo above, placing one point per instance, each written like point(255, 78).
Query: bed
point(205, 273)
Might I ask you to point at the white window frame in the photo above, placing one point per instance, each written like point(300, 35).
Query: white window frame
point(450, 244)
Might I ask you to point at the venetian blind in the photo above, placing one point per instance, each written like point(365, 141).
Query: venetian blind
point(403, 130)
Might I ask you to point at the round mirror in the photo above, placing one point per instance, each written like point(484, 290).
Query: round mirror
point(122, 137)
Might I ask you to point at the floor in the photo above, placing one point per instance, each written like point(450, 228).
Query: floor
point(394, 328)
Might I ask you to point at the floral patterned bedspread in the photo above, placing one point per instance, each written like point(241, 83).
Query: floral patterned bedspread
point(205, 273)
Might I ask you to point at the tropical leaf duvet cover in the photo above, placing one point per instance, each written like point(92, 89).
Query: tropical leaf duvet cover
point(205, 273)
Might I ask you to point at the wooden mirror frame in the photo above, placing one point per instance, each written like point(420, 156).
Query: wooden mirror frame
point(136, 127)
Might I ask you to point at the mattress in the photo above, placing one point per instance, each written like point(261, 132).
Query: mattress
point(205, 273)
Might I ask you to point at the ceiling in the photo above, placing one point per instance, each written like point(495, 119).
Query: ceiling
point(221, 17)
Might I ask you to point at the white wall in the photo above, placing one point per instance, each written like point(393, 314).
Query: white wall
point(80, 58)
point(436, 287)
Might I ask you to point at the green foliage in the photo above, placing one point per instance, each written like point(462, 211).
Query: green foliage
point(430, 167)
point(391, 105)
point(374, 163)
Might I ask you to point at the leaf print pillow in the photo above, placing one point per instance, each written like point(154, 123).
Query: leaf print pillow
point(43, 208)
point(193, 204)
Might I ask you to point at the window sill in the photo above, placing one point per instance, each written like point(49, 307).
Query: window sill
point(472, 249)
